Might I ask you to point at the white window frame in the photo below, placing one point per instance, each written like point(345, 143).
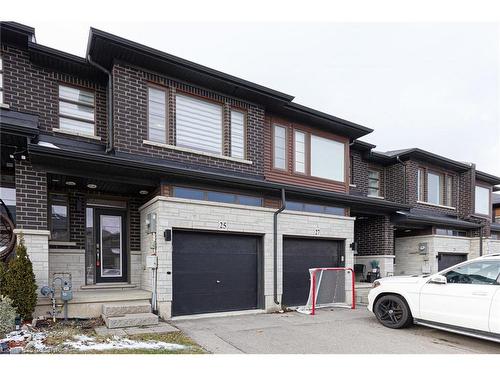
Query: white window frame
point(315, 138)
point(297, 152)
point(77, 119)
point(234, 141)
point(165, 107)
point(441, 179)
point(285, 148)
point(476, 211)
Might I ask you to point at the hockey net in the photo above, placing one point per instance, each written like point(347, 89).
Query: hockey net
point(330, 287)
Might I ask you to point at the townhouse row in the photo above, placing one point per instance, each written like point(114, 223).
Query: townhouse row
point(237, 190)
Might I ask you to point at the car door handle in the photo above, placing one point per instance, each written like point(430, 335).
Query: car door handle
point(479, 293)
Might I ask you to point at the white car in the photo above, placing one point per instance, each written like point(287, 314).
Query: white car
point(463, 299)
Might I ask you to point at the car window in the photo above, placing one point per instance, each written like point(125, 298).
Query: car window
point(484, 272)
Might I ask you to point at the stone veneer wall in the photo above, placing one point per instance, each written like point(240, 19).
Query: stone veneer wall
point(190, 214)
point(410, 262)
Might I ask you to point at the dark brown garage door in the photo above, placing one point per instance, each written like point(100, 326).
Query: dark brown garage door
point(300, 254)
point(214, 272)
point(449, 260)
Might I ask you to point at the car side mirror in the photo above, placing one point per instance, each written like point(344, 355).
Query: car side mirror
point(438, 279)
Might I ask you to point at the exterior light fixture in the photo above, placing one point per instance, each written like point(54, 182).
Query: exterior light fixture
point(143, 192)
point(70, 183)
point(92, 186)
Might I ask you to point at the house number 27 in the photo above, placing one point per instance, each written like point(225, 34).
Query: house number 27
point(222, 224)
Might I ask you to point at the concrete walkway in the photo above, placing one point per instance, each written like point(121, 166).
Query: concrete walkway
point(330, 331)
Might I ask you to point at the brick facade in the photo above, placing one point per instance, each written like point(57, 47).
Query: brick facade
point(31, 197)
point(33, 89)
point(130, 87)
point(374, 235)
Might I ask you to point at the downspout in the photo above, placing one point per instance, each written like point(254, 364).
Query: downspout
point(109, 97)
point(404, 178)
point(275, 245)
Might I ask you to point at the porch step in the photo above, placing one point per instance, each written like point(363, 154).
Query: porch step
point(131, 320)
point(124, 308)
point(362, 290)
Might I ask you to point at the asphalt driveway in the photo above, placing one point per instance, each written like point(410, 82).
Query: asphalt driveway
point(337, 331)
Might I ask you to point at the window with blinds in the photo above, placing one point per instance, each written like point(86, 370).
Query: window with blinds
point(237, 134)
point(76, 110)
point(198, 124)
point(1, 80)
point(157, 115)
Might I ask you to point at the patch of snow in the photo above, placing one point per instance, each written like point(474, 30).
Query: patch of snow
point(47, 144)
point(86, 343)
point(33, 339)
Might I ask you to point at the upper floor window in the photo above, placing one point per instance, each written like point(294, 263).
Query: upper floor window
point(59, 218)
point(374, 183)
point(327, 158)
point(435, 188)
point(76, 110)
point(238, 134)
point(300, 151)
point(1, 80)
point(198, 124)
point(157, 115)
point(495, 235)
point(420, 184)
point(279, 147)
point(482, 200)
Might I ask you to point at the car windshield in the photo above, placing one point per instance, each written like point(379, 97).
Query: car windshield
point(483, 272)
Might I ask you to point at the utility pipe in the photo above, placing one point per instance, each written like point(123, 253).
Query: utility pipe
point(275, 244)
point(109, 97)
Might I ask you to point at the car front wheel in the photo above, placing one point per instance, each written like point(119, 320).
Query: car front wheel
point(393, 312)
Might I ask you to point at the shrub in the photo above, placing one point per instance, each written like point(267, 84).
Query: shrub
point(3, 270)
point(7, 316)
point(20, 283)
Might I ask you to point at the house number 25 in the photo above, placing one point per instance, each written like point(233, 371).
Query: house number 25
point(222, 224)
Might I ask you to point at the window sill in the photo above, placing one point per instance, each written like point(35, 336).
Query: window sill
point(62, 243)
point(3, 105)
point(437, 205)
point(191, 151)
point(62, 131)
point(375, 196)
point(352, 185)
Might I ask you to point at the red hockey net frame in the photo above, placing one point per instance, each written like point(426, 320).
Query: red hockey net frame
point(314, 272)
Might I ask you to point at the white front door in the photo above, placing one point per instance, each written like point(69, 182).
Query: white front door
point(465, 299)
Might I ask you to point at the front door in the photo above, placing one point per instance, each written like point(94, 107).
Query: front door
point(111, 246)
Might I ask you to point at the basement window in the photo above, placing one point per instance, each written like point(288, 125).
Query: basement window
point(59, 217)
point(76, 110)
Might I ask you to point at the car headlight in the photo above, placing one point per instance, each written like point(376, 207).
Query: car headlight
point(375, 284)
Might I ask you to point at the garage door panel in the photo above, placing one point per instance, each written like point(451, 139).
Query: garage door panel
point(301, 254)
point(214, 272)
point(210, 303)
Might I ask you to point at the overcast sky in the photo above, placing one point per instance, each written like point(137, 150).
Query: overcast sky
point(432, 86)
